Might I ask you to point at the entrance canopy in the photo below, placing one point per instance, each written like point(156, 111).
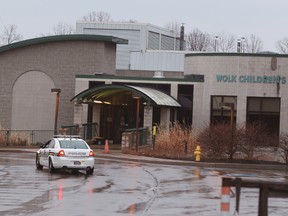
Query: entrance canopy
point(122, 94)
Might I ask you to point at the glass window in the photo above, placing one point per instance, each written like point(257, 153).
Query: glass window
point(265, 111)
point(50, 144)
point(73, 144)
point(220, 113)
point(271, 105)
point(254, 104)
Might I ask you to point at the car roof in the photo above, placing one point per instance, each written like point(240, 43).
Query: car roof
point(75, 137)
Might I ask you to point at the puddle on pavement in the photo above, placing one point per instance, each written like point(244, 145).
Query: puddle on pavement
point(101, 189)
point(134, 208)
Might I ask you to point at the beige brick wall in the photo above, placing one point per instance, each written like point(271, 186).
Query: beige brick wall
point(61, 61)
point(237, 65)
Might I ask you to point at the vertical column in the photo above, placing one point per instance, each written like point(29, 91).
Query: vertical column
point(201, 116)
point(165, 118)
point(148, 121)
point(241, 110)
point(78, 117)
point(78, 114)
point(174, 90)
point(96, 119)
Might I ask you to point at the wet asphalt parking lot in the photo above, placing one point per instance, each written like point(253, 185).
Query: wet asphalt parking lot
point(120, 187)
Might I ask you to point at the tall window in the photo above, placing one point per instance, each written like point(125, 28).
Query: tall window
point(266, 111)
point(185, 98)
point(221, 109)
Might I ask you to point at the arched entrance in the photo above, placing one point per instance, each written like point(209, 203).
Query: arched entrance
point(118, 107)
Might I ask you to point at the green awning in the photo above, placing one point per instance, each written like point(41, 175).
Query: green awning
point(121, 94)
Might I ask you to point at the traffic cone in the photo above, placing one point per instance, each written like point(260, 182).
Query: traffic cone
point(106, 148)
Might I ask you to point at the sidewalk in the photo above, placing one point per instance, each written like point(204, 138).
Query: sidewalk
point(116, 154)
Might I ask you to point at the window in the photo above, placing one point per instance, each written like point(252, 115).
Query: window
point(73, 144)
point(265, 111)
point(185, 98)
point(50, 144)
point(221, 109)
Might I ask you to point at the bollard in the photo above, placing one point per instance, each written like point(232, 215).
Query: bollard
point(154, 129)
point(225, 197)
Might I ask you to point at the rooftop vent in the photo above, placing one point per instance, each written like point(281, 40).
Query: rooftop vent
point(158, 74)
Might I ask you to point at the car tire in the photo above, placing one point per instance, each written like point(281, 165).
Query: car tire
point(51, 167)
point(90, 171)
point(38, 165)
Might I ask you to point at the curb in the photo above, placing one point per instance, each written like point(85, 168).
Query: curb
point(117, 155)
point(143, 159)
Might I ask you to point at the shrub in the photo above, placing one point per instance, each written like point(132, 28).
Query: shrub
point(2, 139)
point(217, 141)
point(19, 139)
point(177, 142)
point(251, 136)
point(283, 147)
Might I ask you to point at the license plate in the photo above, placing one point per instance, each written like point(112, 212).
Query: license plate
point(77, 162)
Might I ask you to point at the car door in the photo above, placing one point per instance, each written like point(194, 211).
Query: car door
point(46, 151)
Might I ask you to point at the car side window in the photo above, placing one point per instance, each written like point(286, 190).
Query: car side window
point(51, 144)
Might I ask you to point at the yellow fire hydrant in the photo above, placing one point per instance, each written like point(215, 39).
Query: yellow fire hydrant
point(197, 153)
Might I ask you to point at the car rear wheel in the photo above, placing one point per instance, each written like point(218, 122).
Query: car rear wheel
point(51, 167)
point(90, 171)
point(38, 165)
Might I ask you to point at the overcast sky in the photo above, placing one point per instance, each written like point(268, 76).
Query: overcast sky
point(267, 19)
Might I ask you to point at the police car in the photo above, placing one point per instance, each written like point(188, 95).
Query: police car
point(66, 152)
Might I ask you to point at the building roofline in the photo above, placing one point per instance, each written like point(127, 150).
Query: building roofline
point(187, 78)
point(59, 38)
point(261, 54)
point(128, 26)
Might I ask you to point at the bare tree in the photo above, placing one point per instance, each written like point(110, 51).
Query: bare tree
point(128, 21)
point(216, 143)
point(198, 40)
point(97, 16)
point(226, 42)
point(10, 35)
point(249, 137)
point(173, 27)
point(253, 44)
point(63, 29)
point(60, 29)
point(282, 45)
point(283, 147)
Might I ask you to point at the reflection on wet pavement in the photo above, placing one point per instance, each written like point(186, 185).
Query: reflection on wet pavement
point(122, 188)
point(102, 189)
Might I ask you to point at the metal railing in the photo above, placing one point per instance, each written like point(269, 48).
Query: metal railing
point(129, 137)
point(24, 137)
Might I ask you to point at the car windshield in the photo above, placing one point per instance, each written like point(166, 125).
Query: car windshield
point(73, 144)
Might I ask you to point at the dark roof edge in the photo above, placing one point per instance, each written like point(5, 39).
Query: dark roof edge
point(58, 38)
point(187, 78)
point(261, 54)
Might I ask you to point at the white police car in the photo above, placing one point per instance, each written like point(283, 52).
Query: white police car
point(67, 152)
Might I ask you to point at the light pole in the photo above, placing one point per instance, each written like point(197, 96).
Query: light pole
point(57, 91)
point(231, 107)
